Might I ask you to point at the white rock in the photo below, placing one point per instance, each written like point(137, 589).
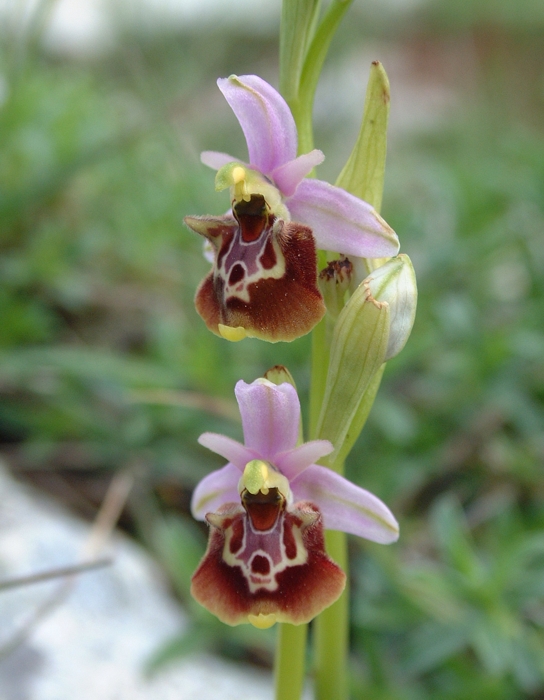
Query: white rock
point(93, 646)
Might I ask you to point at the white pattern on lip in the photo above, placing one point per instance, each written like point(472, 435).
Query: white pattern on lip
point(269, 546)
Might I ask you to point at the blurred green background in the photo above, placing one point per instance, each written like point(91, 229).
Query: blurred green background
point(105, 365)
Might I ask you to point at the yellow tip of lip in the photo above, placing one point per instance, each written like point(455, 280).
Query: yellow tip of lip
point(232, 334)
point(263, 622)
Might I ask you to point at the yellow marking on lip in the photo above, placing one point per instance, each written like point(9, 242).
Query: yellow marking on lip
point(263, 622)
point(232, 334)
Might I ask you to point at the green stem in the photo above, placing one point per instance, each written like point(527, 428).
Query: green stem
point(320, 366)
point(291, 645)
point(331, 639)
point(332, 634)
point(289, 663)
point(313, 63)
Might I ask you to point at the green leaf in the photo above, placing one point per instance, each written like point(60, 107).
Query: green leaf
point(453, 535)
point(429, 588)
point(432, 644)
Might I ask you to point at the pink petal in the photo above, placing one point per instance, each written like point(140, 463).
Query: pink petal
point(270, 416)
point(293, 462)
point(341, 222)
point(345, 506)
point(216, 489)
point(232, 450)
point(265, 118)
point(215, 159)
point(288, 176)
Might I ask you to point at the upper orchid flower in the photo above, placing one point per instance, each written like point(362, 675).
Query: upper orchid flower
point(267, 507)
point(339, 221)
point(264, 281)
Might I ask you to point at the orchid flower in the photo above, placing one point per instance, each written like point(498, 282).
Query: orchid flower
point(264, 280)
point(266, 559)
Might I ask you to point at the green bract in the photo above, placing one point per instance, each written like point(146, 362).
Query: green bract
point(358, 350)
point(363, 174)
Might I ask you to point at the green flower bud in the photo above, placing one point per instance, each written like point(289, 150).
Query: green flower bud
point(358, 350)
point(279, 375)
point(334, 281)
point(372, 328)
point(395, 284)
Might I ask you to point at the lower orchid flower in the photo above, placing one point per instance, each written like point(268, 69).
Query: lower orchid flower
point(263, 282)
point(267, 508)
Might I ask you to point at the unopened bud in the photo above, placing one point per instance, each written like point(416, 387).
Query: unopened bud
point(280, 375)
point(358, 350)
point(334, 282)
point(395, 284)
